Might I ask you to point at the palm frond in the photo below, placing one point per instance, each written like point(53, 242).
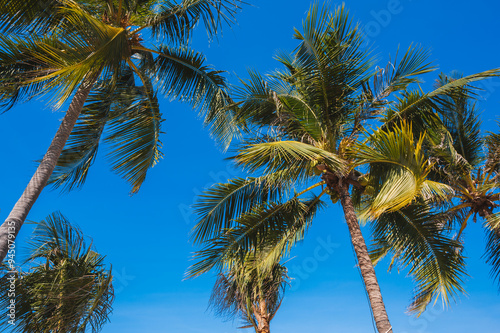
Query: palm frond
point(493, 152)
point(243, 287)
point(59, 63)
point(134, 132)
point(448, 166)
point(416, 104)
point(30, 15)
point(374, 97)
point(68, 287)
point(398, 169)
point(330, 64)
point(460, 117)
point(175, 22)
point(18, 68)
point(416, 239)
point(280, 155)
point(220, 205)
point(55, 237)
point(436, 192)
point(181, 73)
point(492, 253)
point(277, 106)
point(81, 148)
point(272, 227)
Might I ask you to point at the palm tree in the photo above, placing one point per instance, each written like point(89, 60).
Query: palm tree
point(254, 293)
point(314, 120)
point(97, 52)
point(464, 159)
point(67, 287)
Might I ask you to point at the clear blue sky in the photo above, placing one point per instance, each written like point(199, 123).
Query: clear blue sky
point(145, 236)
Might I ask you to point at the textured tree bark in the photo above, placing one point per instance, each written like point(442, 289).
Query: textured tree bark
point(364, 262)
point(263, 318)
point(264, 329)
point(10, 228)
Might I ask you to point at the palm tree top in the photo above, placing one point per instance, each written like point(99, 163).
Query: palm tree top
point(315, 133)
point(129, 52)
point(68, 287)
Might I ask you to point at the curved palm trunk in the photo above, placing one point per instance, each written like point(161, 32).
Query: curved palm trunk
point(364, 262)
point(13, 223)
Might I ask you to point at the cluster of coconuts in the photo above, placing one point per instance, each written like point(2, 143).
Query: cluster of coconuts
point(364, 181)
point(334, 196)
point(320, 168)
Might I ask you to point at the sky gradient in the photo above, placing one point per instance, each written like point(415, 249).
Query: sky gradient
point(146, 236)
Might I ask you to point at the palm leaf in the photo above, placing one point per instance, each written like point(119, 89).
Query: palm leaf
point(81, 148)
point(395, 77)
point(60, 62)
point(460, 118)
point(219, 205)
point(416, 240)
point(272, 227)
point(181, 73)
point(493, 152)
point(398, 169)
point(67, 284)
point(241, 288)
point(281, 155)
point(492, 253)
point(134, 133)
point(276, 104)
point(31, 15)
point(176, 21)
point(425, 104)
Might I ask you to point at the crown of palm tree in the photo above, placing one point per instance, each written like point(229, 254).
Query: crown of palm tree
point(114, 58)
point(315, 119)
point(67, 287)
point(129, 51)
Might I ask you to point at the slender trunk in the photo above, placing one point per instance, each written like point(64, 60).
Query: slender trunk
point(263, 318)
point(364, 262)
point(10, 228)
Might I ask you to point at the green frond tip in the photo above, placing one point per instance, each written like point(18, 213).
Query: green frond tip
point(175, 22)
point(419, 107)
point(492, 253)
point(219, 206)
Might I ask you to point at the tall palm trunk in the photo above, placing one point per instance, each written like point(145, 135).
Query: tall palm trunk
point(16, 218)
point(263, 318)
point(364, 262)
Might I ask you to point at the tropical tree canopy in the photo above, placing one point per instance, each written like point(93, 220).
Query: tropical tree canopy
point(466, 160)
point(66, 288)
point(331, 122)
point(112, 58)
point(130, 52)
